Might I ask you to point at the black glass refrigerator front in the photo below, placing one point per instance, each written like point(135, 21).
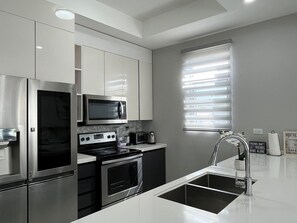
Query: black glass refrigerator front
point(54, 132)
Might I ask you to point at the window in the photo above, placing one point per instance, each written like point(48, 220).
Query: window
point(206, 84)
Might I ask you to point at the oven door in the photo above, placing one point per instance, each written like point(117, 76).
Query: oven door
point(105, 110)
point(121, 178)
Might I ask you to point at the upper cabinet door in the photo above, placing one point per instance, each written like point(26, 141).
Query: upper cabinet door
point(130, 72)
point(54, 54)
point(114, 79)
point(17, 55)
point(92, 78)
point(145, 91)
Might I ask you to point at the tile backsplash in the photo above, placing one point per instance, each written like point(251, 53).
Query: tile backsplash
point(121, 130)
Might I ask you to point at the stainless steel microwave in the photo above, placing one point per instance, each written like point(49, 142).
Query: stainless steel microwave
point(104, 110)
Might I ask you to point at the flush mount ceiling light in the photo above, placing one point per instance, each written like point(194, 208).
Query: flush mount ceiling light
point(248, 1)
point(64, 14)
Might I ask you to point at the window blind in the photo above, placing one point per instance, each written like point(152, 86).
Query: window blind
point(207, 88)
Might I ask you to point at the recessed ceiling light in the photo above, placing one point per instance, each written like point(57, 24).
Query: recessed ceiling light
point(248, 1)
point(64, 14)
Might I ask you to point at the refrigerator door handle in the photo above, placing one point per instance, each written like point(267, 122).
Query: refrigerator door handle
point(52, 177)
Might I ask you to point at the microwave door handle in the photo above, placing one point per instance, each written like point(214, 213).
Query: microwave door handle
point(120, 109)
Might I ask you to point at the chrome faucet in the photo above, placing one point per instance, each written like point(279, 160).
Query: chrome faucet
point(247, 179)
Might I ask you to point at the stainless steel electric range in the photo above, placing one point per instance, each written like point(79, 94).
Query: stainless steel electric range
point(119, 170)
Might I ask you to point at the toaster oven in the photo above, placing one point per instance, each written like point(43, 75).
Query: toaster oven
point(138, 137)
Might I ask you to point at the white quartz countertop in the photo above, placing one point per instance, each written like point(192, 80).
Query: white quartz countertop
point(82, 158)
point(147, 147)
point(274, 198)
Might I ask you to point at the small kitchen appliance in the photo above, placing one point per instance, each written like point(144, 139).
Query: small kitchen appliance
point(138, 137)
point(100, 110)
point(151, 138)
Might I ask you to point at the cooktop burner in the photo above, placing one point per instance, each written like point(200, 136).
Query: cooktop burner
point(106, 154)
point(103, 146)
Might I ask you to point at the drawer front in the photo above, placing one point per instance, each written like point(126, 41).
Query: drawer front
point(86, 170)
point(86, 185)
point(86, 200)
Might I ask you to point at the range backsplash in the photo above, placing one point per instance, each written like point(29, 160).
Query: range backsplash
point(121, 130)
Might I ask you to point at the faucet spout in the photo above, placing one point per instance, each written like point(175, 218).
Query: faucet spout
point(247, 179)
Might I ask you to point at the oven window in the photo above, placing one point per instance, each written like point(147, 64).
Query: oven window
point(122, 177)
point(54, 132)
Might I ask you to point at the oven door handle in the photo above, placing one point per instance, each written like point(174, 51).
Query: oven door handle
point(121, 159)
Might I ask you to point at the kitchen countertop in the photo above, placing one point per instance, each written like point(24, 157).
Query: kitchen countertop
point(147, 147)
point(82, 158)
point(274, 198)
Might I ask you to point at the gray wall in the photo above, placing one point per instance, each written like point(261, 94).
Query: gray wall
point(265, 91)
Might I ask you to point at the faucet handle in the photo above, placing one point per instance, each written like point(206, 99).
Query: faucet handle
point(240, 183)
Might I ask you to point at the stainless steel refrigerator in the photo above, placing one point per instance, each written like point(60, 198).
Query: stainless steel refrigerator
point(38, 150)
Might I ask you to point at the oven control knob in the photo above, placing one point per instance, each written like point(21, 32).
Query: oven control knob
point(108, 136)
point(82, 139)
point(113, 136)
point(88, 138)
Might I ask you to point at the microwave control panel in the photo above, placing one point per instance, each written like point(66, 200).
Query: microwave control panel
point(93, 138)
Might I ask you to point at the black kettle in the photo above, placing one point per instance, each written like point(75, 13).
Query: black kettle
point(151, 139)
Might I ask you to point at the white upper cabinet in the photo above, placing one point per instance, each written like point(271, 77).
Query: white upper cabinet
point(17, 55)
point(36, 10)
point(92, 76)
point(145, 91)
point(121, 79)
point(105, 73)
point(54, 54)
point(130, 72)
point(115, 81)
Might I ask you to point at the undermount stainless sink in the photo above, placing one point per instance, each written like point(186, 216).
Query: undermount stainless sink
point(209, 192)
point(218, 182)
point(209, 200)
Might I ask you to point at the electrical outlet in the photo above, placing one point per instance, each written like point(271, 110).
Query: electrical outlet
point(257, 131)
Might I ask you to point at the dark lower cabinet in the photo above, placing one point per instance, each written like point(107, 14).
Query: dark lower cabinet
point(153, 166)
point(88, 200)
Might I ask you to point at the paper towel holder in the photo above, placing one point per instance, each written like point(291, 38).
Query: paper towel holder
point(273, 144)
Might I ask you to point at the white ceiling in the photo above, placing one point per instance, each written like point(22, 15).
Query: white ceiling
point(145, 9)
point(159, 23)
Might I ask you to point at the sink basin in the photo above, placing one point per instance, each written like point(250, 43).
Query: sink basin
point(209, 192)
point(203, 198)
point(218, 182)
